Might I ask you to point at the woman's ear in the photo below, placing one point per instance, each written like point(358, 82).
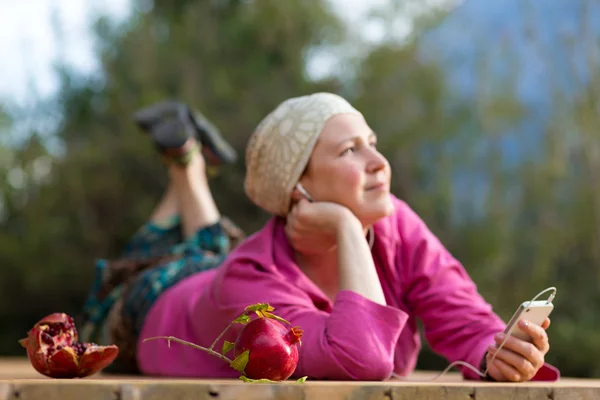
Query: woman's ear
point(296, 195)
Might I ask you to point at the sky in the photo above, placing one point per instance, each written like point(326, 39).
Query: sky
point(28, 48)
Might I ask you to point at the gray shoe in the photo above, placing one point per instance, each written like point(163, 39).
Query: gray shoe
point(171, 124)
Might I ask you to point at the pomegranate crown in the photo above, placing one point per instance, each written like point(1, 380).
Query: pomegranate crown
point(262, 310)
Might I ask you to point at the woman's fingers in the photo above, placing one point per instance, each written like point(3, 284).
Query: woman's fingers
point(501, 371)
point(538, 335)
point(519, 363)
point(546, 324)
point(525, 349)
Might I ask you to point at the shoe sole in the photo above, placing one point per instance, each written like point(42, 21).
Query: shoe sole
point(215, 148)
point(210, 136)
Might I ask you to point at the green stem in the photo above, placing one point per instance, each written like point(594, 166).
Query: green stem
point(195, 346)
point(220, 336)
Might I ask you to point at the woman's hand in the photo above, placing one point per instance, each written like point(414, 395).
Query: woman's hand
point(313, 227)
point(518, 360)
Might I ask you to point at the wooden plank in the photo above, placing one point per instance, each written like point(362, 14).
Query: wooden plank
point(576, 393)
point(432, 393)
point(18, 381)
point(61, 390)
point(12, 368)
point(5, 391)
point(385, 391)
point(513, 392)
point(33, 389)
point(221, 391)
point(337, 391)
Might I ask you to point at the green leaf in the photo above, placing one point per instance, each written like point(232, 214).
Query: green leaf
point(248, 380)
point(242, 319)
point(302, 380)
point(275, 317)
point(240, 362)
point(227, 346)
point(259, 307)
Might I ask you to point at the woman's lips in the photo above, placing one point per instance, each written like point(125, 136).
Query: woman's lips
point(377, 187)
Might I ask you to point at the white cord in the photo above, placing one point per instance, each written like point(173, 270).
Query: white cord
point(371, 237)
point(466, 364)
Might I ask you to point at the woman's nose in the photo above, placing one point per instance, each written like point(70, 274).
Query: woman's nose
point(376, 161)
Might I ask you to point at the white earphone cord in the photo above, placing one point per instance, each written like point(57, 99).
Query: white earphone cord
point(466, 364)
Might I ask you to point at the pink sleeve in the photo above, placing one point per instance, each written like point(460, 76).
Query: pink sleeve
point(356, 341)
point(458, 323)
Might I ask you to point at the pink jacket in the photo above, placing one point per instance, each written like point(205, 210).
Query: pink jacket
point(351, 338)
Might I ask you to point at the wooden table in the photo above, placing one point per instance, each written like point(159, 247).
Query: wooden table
point(19, 381)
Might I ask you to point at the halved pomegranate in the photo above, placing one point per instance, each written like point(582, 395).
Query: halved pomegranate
point(53, 349)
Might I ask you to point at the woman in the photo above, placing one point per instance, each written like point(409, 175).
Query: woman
point(342, 258)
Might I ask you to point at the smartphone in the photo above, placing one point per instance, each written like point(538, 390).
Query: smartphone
point(535, 312)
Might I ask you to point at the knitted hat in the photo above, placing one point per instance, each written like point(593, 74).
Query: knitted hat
point(280, 147)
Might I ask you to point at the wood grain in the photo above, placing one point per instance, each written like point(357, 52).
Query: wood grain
point(19, 381)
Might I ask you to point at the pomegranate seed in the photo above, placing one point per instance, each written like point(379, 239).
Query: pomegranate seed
point(46, 338)
point(53, 330)
point(79, 348)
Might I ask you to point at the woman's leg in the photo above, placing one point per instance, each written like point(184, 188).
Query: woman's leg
point(162, 233)
point(195, 201)
point(205, 241)
point(168, 207)
point(186, 208)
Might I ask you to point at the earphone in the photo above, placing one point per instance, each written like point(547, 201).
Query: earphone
point(466, 364)
point(304, 192)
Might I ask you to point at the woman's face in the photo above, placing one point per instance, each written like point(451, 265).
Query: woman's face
point(346, 168)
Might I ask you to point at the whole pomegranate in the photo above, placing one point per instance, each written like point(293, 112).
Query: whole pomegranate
point(265, 351)
point(53, 349)
point(272, 351)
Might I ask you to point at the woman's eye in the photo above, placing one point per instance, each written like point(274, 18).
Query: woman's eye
point(374, 145)
point(347, 151)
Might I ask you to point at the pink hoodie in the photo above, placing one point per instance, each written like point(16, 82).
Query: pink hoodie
point(352, 338)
